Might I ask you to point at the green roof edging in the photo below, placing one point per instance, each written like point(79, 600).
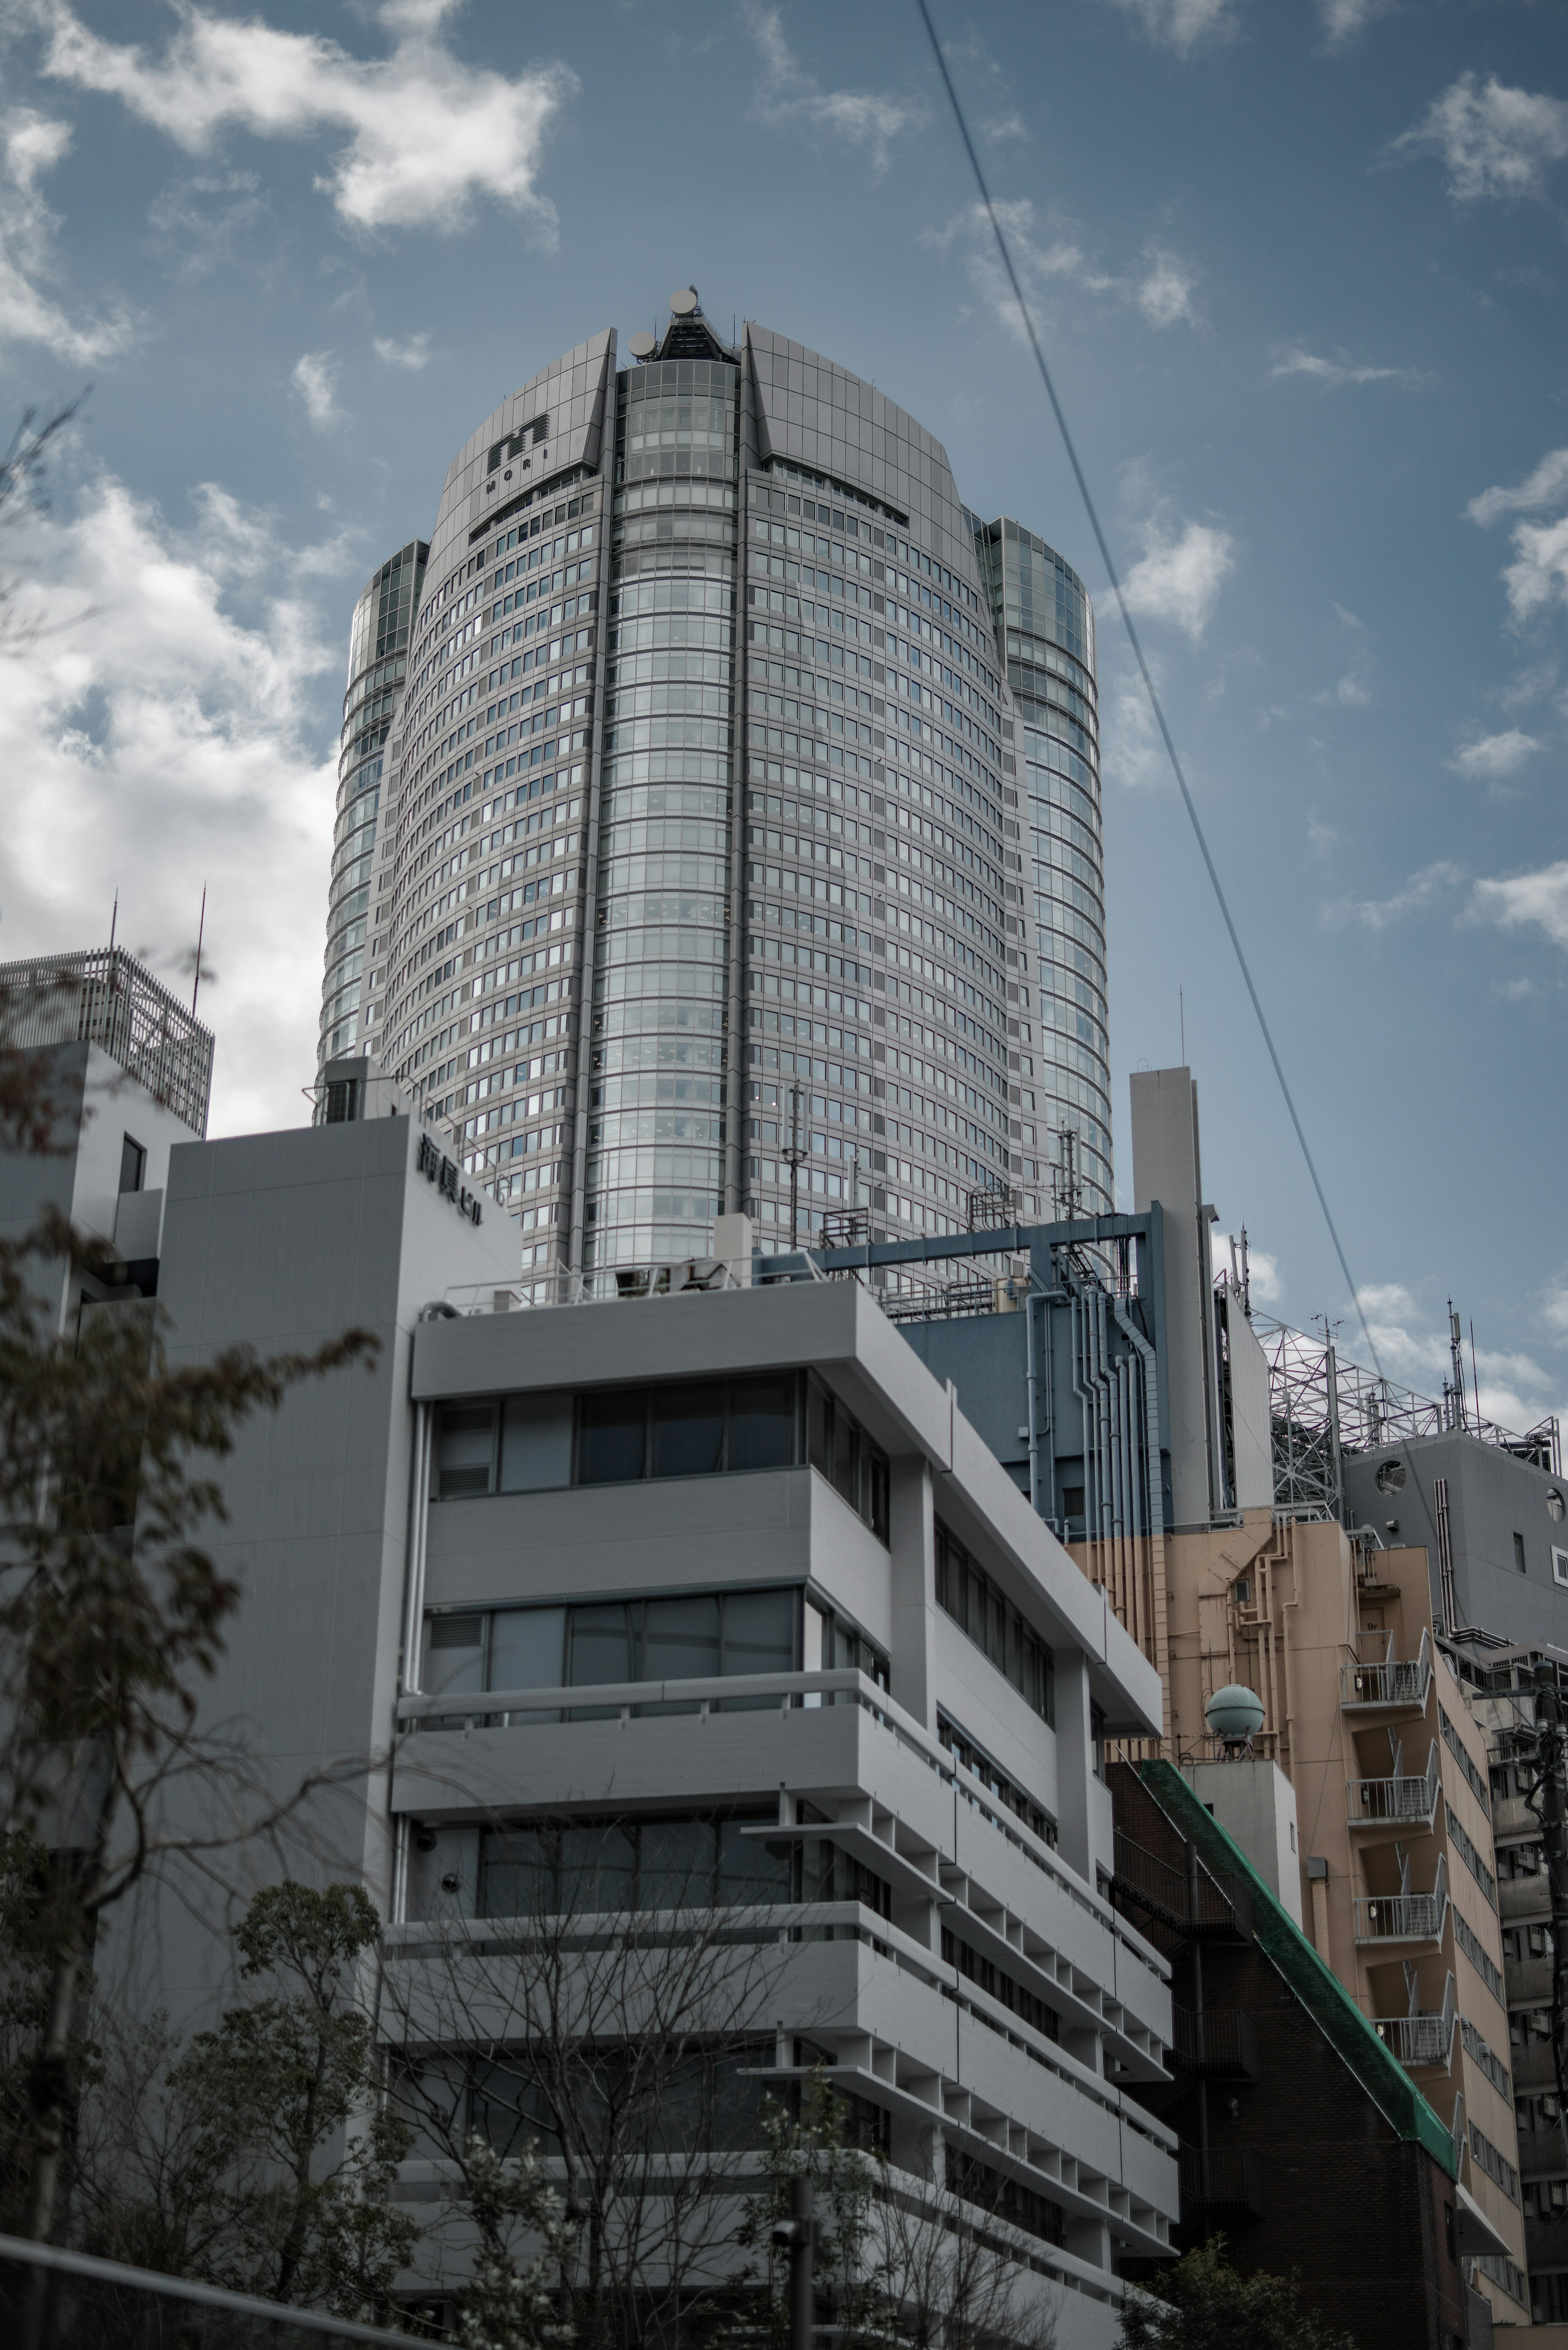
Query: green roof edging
point(1314, 1983)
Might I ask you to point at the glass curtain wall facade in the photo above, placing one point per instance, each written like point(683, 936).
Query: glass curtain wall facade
point(654, 1176)
point(1045, 633)
point(378, 671)
point(700, 854)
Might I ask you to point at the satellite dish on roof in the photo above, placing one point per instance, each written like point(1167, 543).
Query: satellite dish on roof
point(642, 346)
point(684, 302)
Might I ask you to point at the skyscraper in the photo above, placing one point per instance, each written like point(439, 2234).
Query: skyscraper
point(704, 849)
point(377, 667)
point(1045, 633)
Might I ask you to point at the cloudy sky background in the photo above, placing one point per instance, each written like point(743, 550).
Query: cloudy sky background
point(1302, 269)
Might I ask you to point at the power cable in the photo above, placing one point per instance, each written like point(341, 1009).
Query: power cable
point(1159, 718)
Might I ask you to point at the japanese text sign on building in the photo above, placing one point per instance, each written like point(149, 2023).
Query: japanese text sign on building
point(442, 1172)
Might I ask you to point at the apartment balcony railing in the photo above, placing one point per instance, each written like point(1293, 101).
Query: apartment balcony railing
point(1220, 2042)
point(1200, 1907)
point(1223, 2178)
point(1401, 1916)
point(1424, 2039)
point(1387, 1682)
point(1402, 1801)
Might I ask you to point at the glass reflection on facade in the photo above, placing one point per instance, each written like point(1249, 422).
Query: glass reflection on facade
point(1046, 631)
point(377, 669)
point(655, 1170)
point(699, 853)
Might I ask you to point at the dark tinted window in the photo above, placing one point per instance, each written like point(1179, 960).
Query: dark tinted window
point(761, 1422)
point(466, 1459)
point(611, 1436)
point(682, 1637)
point(604, 1645)
point(687, 1433)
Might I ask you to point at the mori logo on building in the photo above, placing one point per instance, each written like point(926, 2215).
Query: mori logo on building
point(526, 436)
point(442, 1172)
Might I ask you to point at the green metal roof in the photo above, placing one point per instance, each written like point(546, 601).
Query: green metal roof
point(1316, 1984)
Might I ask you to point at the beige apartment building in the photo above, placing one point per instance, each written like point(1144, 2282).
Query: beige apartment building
point(1388, 1768)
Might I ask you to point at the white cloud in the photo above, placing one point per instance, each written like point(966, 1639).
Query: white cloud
point(174, 732)
point(413, 354)
point(1547, 487)
point(1494, 756)
point(1163, 292)
point(30, 145)
point(1493, 141)
point(1179, 578)
point(1160, 284)
point(426, 134)
point(787, 98)
point(1554, 1309)
point(1515, 1391)
point(1539, 573)
point(1375, 914)
point(1343, 21)
point(1333, 374)
point(1541, 897)
point(1538, 576)
point(315, 378)
point(1183, 25)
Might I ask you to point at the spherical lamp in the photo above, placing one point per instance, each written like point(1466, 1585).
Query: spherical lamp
point(1234, 1714)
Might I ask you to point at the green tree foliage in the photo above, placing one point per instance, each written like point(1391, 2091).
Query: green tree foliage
point(812, 2145)
point(315, 2143)
point(511, 2304)
point(1204, 2303)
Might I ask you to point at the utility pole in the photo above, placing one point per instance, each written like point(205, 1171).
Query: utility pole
point(1548, 1799)
point(798, 2234)
point(794, 1154)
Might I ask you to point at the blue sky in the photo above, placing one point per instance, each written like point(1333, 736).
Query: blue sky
point(1301, 271)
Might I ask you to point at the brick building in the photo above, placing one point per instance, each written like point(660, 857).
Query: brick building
point(1302, 2139)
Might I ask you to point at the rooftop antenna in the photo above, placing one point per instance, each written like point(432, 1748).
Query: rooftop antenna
point(1246, 1278)
point(1182, 1007)
point(1457, 1356)
point(113, 923)
point(201, 934)
point(1475, 1375)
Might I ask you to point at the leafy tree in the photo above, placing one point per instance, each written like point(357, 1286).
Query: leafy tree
point(299, 2070)
point(511, 2304)
point(812, 2144)
point(1204, 2303)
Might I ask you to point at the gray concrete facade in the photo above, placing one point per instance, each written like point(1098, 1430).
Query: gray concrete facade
point(1502, 1522)
point(389, 1549)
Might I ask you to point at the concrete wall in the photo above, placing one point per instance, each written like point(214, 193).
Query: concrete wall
point(1166, 1167)
point(1491, 1497)
point(1254, 1803)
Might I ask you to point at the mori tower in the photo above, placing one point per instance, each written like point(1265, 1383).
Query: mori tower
point(719, 818)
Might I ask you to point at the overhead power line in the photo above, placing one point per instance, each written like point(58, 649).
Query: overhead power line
point(1148, 685)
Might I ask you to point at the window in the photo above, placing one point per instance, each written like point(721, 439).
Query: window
point(697, 1636)
point(840, 1450)
point(978, 1764)
point(832, 1644)
point(989, 1977)
point(1559, 1565)
point(968, 1595)
point(613, 1436)
point(132, 1164)
point(551, 1868)
point(1519, 1554)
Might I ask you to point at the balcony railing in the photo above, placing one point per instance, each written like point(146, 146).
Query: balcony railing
point(1399, 1801)
point(1426, 2038)
point(1225, 2179)
point(1200, 1907)
point(1387, 1680)
point(1401, 1916)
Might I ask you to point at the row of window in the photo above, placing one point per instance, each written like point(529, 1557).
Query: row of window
point(988, 1976)
point(973, 1759)
point(698, 1635)
point(1471, 1856)
point(691, 1427)
point(1460, 1754)
point(968, 1596)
